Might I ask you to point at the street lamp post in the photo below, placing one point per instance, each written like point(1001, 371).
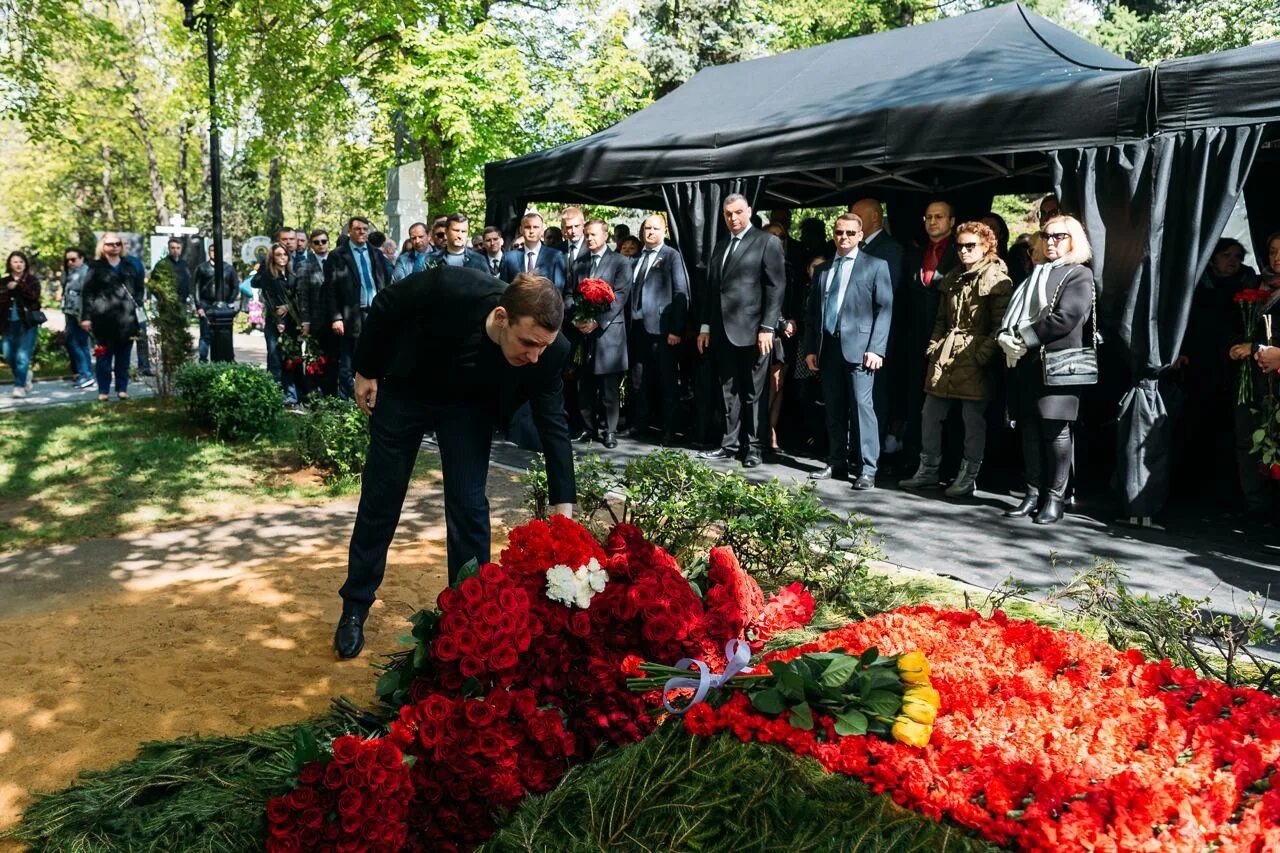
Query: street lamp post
point(192, 20)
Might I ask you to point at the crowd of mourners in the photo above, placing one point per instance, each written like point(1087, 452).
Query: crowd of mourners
point(843, 344)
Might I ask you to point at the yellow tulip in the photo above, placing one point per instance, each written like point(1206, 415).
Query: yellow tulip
point(913, 668)
point(919, 710)
point(924, 693)
point(908, 731)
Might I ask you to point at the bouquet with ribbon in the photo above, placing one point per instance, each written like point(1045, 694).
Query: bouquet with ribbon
point(1251, 302)
point(859, 694)
point(594, 296)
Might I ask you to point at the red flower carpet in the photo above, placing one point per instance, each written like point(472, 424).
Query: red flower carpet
point(1046, 740)
point(1042, 739)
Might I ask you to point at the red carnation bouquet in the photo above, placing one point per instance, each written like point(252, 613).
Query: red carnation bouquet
point(1251, 302)
point(594, 296)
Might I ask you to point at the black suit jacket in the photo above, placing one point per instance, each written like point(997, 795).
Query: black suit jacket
point(892, 253)
point(663, 294)
point(744, 295)
point(606, 346)
point(413, 335)
point(918, 305)
point(471, 259)
point(342, 286)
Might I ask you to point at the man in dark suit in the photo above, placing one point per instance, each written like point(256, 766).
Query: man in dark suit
point(925, 267)
point(573, 226)
point(308, 274)
point(353, 275)
point(454, 351)
point(659, 311)
point(604, 339)
point(746, 281)
point(846, 338)
point(534, 257)
point(457, 249)
point(877, 242)
point(493, 249)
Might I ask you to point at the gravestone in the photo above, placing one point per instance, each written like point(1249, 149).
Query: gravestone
point(406, 199)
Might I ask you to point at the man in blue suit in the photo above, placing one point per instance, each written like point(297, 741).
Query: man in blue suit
point(457, 250)
point(850, 308)
point(659, 312)
point(534, 257)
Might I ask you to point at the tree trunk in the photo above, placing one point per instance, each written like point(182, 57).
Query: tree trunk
point(108, 206)
point(435, 177)
point(184, 145)
point(154, 181)
point(275, 200)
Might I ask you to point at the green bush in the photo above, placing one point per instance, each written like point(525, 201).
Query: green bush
point(236, 401)
point(334, 437)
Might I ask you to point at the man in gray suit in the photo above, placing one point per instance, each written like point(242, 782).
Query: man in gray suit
point(604, 339)
point(746, 281)
point(659, 311)
point(850, 308)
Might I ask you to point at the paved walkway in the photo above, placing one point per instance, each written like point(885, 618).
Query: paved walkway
point(250, 348)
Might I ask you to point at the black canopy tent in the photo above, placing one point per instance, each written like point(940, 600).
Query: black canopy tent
point(996, 101)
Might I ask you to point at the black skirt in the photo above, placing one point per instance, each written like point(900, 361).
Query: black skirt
point(1028, 395)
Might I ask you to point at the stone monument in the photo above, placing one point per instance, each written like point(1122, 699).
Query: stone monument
point(406, 199)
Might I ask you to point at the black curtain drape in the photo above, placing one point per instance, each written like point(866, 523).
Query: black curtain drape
point(1152, 210)
point(504, 211)
point(695, 220)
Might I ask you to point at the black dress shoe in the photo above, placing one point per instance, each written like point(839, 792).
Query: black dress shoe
point(348, 640)
point(1025, 508)
point(718, 453)
point(1051, 511)
point(609, 440)
point(864, 483)
point(752, 461)
point(829, 473)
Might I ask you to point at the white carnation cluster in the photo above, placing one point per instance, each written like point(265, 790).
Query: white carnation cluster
point(576, 587)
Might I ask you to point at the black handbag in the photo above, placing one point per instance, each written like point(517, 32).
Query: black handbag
point(36, 317)
point(1077, 365)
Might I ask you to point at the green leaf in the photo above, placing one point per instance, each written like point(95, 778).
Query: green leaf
point(880, 678)
point(388, 682)
point(472, 688)
point(883, 703)
point(868, 657)
point(802, 717)
point(768, 701)
point(851, 723)
point(470, 570)
point(305, 747)
point(838, 671)
point(791, 684)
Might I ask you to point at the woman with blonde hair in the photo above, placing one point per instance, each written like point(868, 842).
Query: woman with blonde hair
point(961, 352)
point(111, 299)
point(1049, 359)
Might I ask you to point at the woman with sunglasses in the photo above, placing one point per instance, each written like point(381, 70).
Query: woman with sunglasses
point(110, 299)
point(1048, 313)
point(961, 350)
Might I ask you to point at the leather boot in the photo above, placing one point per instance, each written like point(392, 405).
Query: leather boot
point(966, 480)
point(1051, 511)
point(1027, 506)
point(926, 476)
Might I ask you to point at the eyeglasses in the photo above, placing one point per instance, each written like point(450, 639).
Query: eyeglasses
point(966, 247)
point(1055, 237)
point(439, 235)
point(113, 243)
point(839, 233)
point(320, 241)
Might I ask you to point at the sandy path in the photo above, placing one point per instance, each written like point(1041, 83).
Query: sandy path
point(93, 665)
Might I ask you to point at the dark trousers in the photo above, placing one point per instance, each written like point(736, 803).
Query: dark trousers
point(206, 338)
point(653, 376)
point(114, 361)
point(742, 371)
point(330, 348)
point(346, 359)
point(144, 348)
point(1046, 452)
point(399, 422)
point(1256, 488)
point(848, 391)
point(598, 399)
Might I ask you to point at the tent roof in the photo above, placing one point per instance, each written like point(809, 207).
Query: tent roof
point(995, 82)
point(1232, 87)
